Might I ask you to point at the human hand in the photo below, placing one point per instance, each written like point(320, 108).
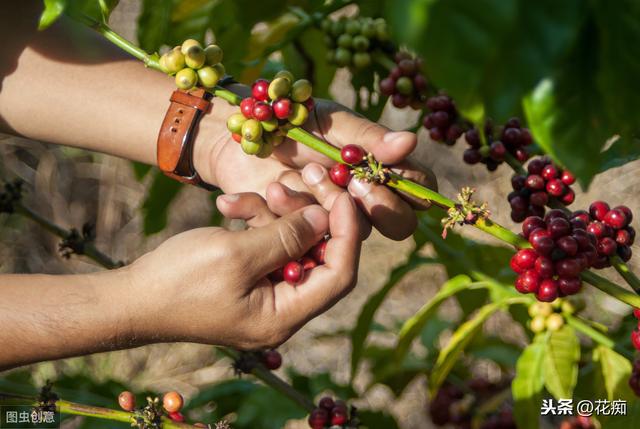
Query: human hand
point(224, 164)
point(210, 285)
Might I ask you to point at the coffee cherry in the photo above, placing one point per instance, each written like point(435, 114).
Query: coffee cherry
point(249, 147)
point(598, 210)
point(607, 246)
point(266, 148)
point(554, 322)
point(173, 61)
point(172, 402)
point(235, 121)
point(338, 417)
point(127, 401)
point(404, 86)
point(298, 115)
point(246, 107)
point(208, 77)
point(282, 108)
point(318, 418)
point(176, 416)
point(293, 273)
point(301, 90)
point(569, 285)
point(361, 60)
point(627, 212)
point(194, 57)
point(532, 223)
point(558, 227)
point(526, 258)
point(548, 291)
point(541, 241)
point(387, 86)
point(285, 74)
point(616, 219)
point(251, 130)
point(262, 111)
point(317, 252)
point(236, 137)
point(540, 309)
point(340, 175)
point(352, 154)
point(273, 139)
point(529, 281)
point(279, 87)
point(219, 68)
point(260, 90)
point(326, 403)
point(635, 339)
point(213, 54)
point(271, 359)
point(538, 324)
point(343, 57)
point(360, 43)
point(568, 245)
point(188, 44)
point(186, 78)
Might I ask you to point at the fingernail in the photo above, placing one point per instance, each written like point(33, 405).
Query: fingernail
point(317, 218)
point(359, 188)
point(313, 174)
point(392, 136)
point(230, 198)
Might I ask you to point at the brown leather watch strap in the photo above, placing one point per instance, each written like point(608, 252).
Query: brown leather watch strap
point(177, 134)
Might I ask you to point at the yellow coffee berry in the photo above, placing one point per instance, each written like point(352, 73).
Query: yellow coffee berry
point(173, 61)
point(554, 322)
point(279, 87)
point(188, 44)
point(298, 115)
point(208, 77)
point(270, 125)
point(285, 74)
point(235, 121)
point(195, 57)
point(251, 130)
point(186, 78)
point(214, 54)
point(301, 90)
point(249, 147)
point(538, 324)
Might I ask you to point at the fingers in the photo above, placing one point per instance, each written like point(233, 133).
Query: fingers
point(326, 193)
point(421, 175)
point(283, 200)
point(247, 206)
point(285, 239)
point(342, 127)
point(327, 283)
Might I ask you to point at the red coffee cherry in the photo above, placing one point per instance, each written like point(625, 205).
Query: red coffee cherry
point(308, 263)
point(352, 154)
point(340, 175)
point(282, 108)
point(176, 416)
point(260, 90)
point(327, 403)
point(318, 418)
point(293, 273)
point(548, 290)
point(127, 401)
point(271, 359)
point(338, 417)
point(616, 219)
point(526, 258)
point(172, 402)
point(246, 107)
point(598, 210)
point(635, 339)
point(262, 111)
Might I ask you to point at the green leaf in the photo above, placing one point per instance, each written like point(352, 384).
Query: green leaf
point(376, 420)
point(528, 383)
point(156, 205)
point(619, 153)
point(415, 324)
point(459, 340)
point(615, 370)
point(154, 24)
point(52, 11)
point(365, 320)
point(497, 350)
point(140, 170)
point(561, 362)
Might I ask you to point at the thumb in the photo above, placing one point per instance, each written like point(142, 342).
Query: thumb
point(285, 239)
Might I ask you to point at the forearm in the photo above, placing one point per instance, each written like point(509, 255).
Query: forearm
point(46, 317)
point(85, 94)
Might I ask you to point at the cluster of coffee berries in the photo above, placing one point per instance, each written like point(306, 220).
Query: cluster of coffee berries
point(611, 226)
point(512, 139)
point(194, 65)
point(332, 414)
point(562, 249)
point(294, 272)
point(405, 84)
point(273, 108)
point(635, 334)
point(634, 380)
point(549, 317)
point(351, 41)
point(578, 422)
point(545, 182)
point(442, 120)
point(452, 406)
point(172, 403)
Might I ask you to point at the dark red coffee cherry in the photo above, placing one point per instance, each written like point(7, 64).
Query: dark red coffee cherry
point(293, 272)
point(340, 175)
point(352, 154)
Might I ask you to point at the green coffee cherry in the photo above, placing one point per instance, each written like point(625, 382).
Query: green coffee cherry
point(213, 54)
point(186, 78)
point(301, 90)
point(404, 85)
point(208, 77)
point(279, 87)
point(325, 25)
point(554, 322)
point(285, 74)
point(329, 41)
point(266, 149)
point(352, 27)
point(345, 41)
point(269, 126)
point(568, 307)
point(298, 115)
point(195, 57)
point(249, 147)
point(235, 121)
point(382, 32)
point(337, 27)
point(343, 57)
point(251, 130)
point(276, 139)
point(188, 44)
point(484, 151)
point(360, 43)
point(220, 69)
point(362, 60)
point(540, 309)
point(173, 61)
point(538, 324)
point(368, 28)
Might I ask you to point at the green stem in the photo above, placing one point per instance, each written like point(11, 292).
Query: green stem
point(273, 381)
point(66, 407)
point(580, 325)
point(626, 273)
point(150, 61)
point(515, 164)
point(611, 288)
point(89, 249)
point(383, 60)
